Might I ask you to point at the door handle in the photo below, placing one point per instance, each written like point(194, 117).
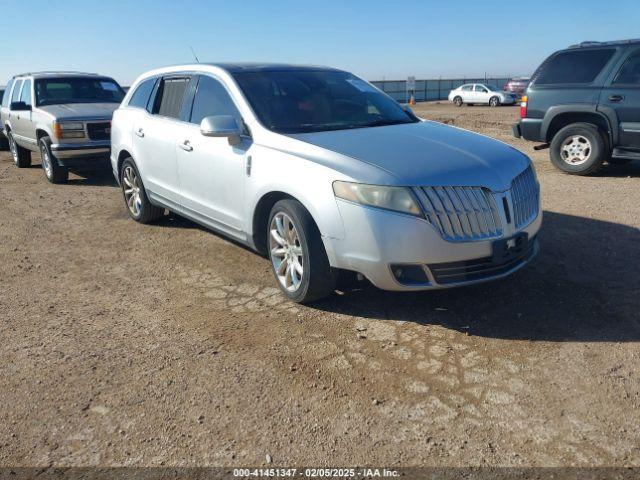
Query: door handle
point(186, 146)
point(140, 132)
point(616, 98)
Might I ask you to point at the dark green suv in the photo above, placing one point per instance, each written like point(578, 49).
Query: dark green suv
point(583, 103)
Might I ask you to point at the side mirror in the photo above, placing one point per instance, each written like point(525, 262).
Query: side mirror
point(221, 126)
point(20, 107)
point(409, 112)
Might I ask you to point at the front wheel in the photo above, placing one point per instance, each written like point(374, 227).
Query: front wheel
point(298, 259)
point(135, 196)
point(578, 149)
point(494, 101)
point(54, 172)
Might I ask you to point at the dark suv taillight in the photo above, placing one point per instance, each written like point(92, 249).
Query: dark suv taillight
point(523, 107)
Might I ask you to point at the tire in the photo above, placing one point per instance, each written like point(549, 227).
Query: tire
point(135, 196)
point(21, 156)
point(54, 172)
point(579, 149)
point(458, 101)
point(293, 238)
point(494, 102)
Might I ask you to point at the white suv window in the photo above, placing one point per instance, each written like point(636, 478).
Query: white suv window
point(15, 95)
point(212, 99)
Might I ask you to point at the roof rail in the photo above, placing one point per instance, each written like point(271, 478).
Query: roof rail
point(593, 43)
point(47, 72)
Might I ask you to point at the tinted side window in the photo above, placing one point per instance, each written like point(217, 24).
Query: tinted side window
point(579, 66)
point(480, 88)
point(170, 95)
point(629, 74)
point(16, 91)
point(467, 88)
point(26, 92)
point(7, 92)
point(140, 97)
point(212, 99)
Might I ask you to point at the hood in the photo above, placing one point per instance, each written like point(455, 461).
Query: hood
point(80, 111)
point(427, 154)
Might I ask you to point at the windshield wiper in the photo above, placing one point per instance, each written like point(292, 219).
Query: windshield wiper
point(384, 122)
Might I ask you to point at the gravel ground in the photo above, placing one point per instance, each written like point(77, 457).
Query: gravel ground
point(166, 344)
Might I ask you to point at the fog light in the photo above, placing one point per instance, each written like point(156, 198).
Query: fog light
point(410, 274)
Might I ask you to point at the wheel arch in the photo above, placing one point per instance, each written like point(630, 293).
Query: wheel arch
point(559, 117)
point(260, 218)
point(40, 132)
point(122, 156)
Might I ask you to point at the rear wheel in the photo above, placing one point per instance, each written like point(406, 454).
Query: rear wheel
point(299, 261)
point(579, 149)
point(494, 101)
point(135, 196)
point(21, 156)
point(55, 173)
point(458, 101)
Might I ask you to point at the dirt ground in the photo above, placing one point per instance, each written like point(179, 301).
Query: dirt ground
point(166, 344)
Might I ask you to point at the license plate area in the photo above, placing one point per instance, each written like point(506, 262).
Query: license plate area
point(506, 249)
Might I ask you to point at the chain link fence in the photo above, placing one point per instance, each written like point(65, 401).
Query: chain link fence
point(432, 89)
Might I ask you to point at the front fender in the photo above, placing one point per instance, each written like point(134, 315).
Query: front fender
point(308, 182)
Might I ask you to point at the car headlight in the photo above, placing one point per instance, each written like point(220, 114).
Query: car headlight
point(69, 129)
point(398, 199)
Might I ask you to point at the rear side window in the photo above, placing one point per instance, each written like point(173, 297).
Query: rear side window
point(467, 88)
point(629, 74)
point(140, 97)
point(26, 93)
point(577, 66)
point(170, 96)
point(212, 99)
point(7, 92)
point(15, 95)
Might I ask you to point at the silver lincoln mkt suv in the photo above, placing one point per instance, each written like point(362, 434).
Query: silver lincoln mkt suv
point(322, 172)
point(65, 116)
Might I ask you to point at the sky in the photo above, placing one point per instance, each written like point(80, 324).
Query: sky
point(373, 39)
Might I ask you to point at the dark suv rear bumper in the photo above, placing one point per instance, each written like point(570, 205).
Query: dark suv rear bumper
point(529, 129)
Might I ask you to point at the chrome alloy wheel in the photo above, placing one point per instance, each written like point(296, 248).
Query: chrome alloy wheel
point(46, 160)
point(131, 187)
point(14, 149)
point(286, 251)
point(576, 150)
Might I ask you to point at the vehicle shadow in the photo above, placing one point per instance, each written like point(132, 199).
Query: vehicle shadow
point(630, 169)
point(583, 286)
point(97, 178)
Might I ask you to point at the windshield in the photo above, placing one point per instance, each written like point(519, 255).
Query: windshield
point(299, 101)
point(493, 88)
point(55, 91)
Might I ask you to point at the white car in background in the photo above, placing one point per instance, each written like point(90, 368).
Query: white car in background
point(472, 93)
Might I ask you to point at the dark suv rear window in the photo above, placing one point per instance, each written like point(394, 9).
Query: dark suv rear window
point(577, 66)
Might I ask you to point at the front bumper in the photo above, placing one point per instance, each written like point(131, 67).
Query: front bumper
point(85, 150)
point(378, 242)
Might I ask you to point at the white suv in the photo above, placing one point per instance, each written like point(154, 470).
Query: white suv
point(322, 172)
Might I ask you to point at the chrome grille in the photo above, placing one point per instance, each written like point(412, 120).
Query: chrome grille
point(525, 195)
point(462, 213)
